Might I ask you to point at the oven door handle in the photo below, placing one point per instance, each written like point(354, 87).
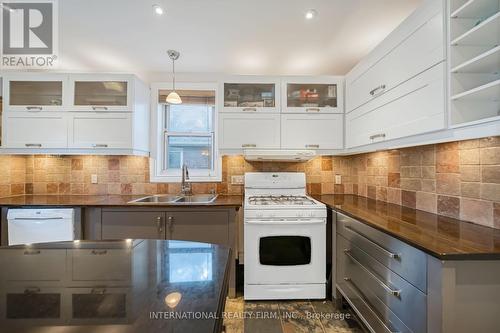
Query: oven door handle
point(287, 222)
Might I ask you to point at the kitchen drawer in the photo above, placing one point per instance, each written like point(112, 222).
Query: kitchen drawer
point(420, 46)
point(403, 259)
point(414, 107)
point(381, 287)
point(43, 266)
point(101, 266)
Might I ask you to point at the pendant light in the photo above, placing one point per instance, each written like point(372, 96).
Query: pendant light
point(173, 97)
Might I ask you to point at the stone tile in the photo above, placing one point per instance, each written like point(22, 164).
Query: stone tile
point(394, 163)
point(52, 188)
point(113, 164)
point(496, 215)
point(448, 206)
point(448, 183)
point(335, 320)
point(471, 190)
point(447, 161)
point(411, 172)
point(469, 156)
point(394, 195)
point(468, 144)
point(429, 156)
point(372, 192)
point(477, 211)
point(413, 184)
point(490, 155)
point(493, 141)
point(409, 199)
point(126, 189)
point(428, 172)
point(393, 179)
point(327, 188)
point(426, 202)
point(470, 173)
point(490, 174)
point(490, 192)
point(326, 164)
point(16, 189)
point(270, 324)
point(410, 157)
point(447, 146)
point(382, 193)
point(76, 164)
point(299, 322)
point(428, 185)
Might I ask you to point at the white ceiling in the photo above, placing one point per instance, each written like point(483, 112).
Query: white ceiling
point(224, 36)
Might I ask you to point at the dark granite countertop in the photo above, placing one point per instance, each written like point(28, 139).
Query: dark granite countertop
point(109, 200)
point(442, 237)
point(113, 286)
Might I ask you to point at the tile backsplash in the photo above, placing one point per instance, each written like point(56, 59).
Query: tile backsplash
point(457, 179)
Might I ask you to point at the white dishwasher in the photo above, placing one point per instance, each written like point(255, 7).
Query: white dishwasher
point(28, 226)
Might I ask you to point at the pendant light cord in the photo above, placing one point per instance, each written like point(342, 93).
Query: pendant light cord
point(173, 69)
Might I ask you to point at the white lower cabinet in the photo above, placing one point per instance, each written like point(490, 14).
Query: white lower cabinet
point(101, 131)
point(39, 130)
point(415, 107)
point(312, 131)
point(246, 131)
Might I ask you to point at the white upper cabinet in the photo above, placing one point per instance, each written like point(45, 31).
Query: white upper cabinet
point(251, 94)
point(312, 94)
point(312, 131)
point(100, 131)
point(416, 45)
point(34, 93)
point(91, 92)
point(247, 131)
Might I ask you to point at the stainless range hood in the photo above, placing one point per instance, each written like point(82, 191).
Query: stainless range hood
point(279, 155)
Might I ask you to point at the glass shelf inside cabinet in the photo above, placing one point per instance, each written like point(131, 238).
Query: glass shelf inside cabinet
point(113, 93)
point(254, 95)
point(35, 93)
point(311, 95)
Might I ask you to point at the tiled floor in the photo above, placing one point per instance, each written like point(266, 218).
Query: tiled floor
point(287, 317)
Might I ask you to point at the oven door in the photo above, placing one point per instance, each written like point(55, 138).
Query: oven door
point(285, 252)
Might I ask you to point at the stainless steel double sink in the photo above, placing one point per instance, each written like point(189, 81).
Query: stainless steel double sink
point(175, 199)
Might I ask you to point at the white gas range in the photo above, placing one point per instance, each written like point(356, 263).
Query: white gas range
point(285, 238)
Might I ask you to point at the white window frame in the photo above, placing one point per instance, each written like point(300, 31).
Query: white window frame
point(158, 174)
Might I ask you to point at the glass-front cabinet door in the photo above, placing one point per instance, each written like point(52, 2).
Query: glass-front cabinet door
point(251, 95)
point(312, 95)
point(100, 93)
point(35, 93)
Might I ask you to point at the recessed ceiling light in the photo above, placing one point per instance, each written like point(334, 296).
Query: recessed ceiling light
point(158, 10)
point(311, 13)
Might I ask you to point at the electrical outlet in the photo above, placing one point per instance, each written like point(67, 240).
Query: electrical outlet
point(93, 179)
point(237, 180)
point(338, 179)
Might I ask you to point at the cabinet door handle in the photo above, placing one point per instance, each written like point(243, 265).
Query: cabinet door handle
point(382, 249)
point(101, 108)
point(159, 225)
point(394, 292)
point(34, 108)
point(32, 290)
point(98, 291)
point(312, 146)
point(250, 109)
point(377, 90)
point(31, 252)
point(248, 145)
point(99, 253)
point(313, 110)
point(375, 136)
point(33, 145)
point(99, 145)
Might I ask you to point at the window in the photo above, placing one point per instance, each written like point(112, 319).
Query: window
point(186, 134)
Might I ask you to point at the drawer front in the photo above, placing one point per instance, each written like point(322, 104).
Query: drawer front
point(33, 265)
point(403, 259)
point(381, 287)
point(101, 265)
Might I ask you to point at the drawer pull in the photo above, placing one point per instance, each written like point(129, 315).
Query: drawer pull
point(312, 146)
point(99, 253)
point(249, 145)
point(101, 108)
point(31, 291)
point(379, 89)
point(33, 145)
point(99, 145)
point(98, 291)
point(34, 108)
point(384, 250)
point(313, 110)
point(375, 136)
point(390, 290)
point(31, 252)
point(249, 109)
point(159, 225)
